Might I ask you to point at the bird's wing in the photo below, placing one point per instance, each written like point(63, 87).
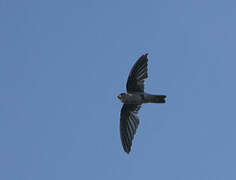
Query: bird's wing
point(137, 75)
point(128, 124)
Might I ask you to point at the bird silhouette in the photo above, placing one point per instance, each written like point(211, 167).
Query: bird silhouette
point(132, 101)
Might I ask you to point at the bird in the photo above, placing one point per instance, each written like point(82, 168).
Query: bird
point(132, 101)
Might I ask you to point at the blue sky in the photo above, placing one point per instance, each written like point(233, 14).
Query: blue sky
point(62, 64)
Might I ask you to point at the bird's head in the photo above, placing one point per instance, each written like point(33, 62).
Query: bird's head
point(121, 97)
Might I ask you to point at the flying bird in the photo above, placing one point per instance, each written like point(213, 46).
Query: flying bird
point(132, 101)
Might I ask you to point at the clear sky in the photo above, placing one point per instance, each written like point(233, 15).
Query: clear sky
point(63, 63)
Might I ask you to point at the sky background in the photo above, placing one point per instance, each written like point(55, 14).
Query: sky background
point(63, 63)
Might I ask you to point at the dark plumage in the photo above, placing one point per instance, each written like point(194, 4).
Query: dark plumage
point(133, 100)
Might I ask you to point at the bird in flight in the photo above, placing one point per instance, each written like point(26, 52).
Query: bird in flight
point(132, 101)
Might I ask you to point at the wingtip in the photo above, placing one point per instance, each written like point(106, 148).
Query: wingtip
point(127, 152)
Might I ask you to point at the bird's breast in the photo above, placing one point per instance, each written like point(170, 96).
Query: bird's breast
point(133, 99)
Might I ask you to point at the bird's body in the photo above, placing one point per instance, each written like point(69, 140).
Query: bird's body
point(141, 98)
point(133, 100)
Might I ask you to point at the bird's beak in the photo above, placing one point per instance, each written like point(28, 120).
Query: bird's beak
point(119, 96)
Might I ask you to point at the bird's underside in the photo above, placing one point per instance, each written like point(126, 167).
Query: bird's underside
point(133, 100)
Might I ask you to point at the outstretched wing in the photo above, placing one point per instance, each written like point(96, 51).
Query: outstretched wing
point(137, 75)
point(128, 124)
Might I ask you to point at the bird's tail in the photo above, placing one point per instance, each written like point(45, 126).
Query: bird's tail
point(158, 99)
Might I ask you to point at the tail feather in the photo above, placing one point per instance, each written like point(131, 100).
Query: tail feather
point(158, 99)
